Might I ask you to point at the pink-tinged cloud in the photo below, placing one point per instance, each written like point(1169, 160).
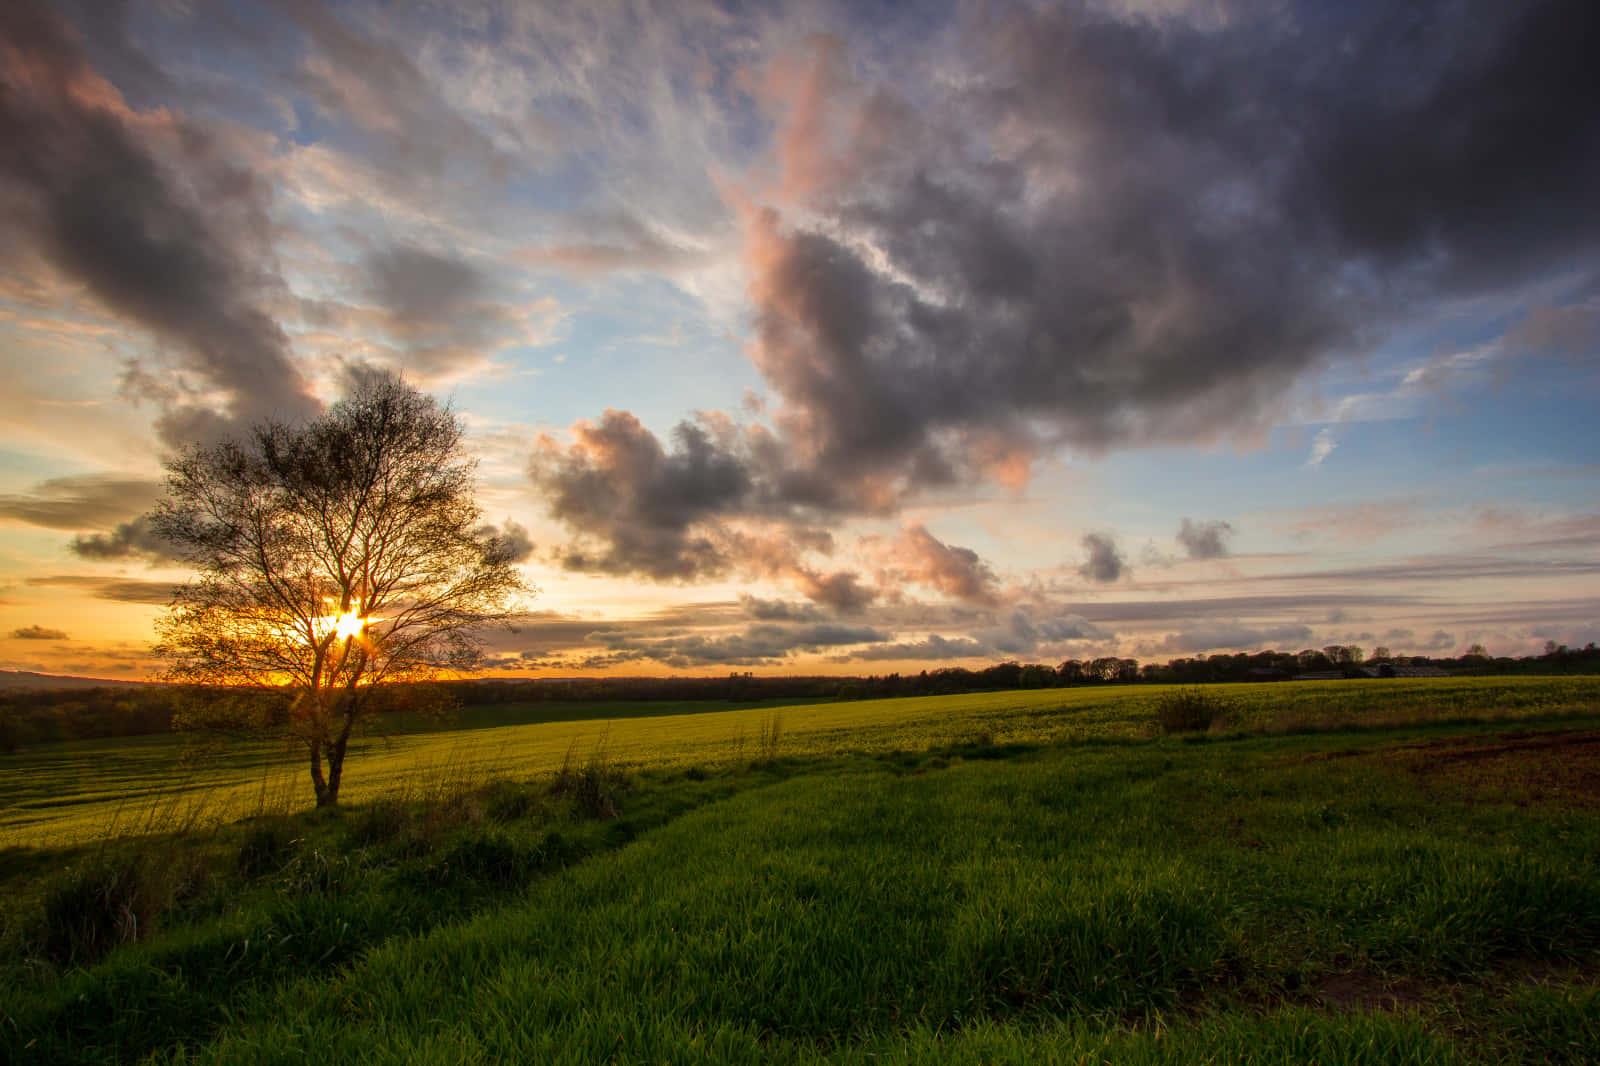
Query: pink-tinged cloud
point(919, 557)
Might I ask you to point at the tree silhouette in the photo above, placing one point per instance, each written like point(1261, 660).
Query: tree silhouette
point(333, 557)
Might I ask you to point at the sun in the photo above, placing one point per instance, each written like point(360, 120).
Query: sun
point(348, 625)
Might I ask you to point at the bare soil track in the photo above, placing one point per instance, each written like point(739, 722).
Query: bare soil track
point(1558, 767)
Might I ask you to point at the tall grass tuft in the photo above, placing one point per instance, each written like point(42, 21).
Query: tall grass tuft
point(264, 850)
point(771, 735)
point(595, 787)
point(1190, 710)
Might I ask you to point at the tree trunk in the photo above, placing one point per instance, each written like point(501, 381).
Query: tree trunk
point(326, 796)
point(335, 771)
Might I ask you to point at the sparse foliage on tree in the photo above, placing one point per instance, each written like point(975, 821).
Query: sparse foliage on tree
point(333, 557)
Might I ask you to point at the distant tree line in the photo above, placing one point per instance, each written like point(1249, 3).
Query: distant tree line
point(43, 716)
point(47, 716)
point(1343, 660)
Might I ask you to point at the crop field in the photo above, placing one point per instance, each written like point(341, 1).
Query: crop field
point(69, 793)
point(1362, 873)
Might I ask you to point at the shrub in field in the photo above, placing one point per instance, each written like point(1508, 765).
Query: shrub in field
point(510, 801)
point(263, 850)
point(1189, 711)
point(486, 858)
point(382, 823)
point(99, 907)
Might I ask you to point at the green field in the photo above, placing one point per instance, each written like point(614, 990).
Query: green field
point(1366, 872)
point(68, 793)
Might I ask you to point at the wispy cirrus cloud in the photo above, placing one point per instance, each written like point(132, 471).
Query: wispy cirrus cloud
point(116, 590)
point(80, 502)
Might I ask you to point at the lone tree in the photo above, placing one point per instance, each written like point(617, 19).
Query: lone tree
point(333, 557)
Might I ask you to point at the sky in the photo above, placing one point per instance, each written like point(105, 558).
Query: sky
point(834, 338)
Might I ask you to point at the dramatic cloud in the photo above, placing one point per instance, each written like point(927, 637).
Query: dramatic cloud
point(640, 506)
point(84, 502)
point(1204, 540)
point(1105, 563)
point(38, 633)
point(155, 216)
point(1170, 222)
point(1097, 232)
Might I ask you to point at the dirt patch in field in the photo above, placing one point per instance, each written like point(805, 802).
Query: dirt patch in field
point(1367, 992)
point(1559, 767)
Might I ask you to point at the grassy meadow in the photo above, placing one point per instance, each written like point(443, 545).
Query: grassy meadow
point(73, 792)
point(1359, 872)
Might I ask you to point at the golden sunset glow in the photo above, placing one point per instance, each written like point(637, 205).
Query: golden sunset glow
point(816, 352)
point(345, 624)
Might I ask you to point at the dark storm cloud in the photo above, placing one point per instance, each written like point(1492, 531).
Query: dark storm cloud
point(38, 633)
point(637, 507)
point(1109, 233)
point(152, 214)
point(128, 540)
point(1205, 540)
point(82, 502)
point(1105, 563)
point(117, 590)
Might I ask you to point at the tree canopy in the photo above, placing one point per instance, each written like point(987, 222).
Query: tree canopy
point(333, 556)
